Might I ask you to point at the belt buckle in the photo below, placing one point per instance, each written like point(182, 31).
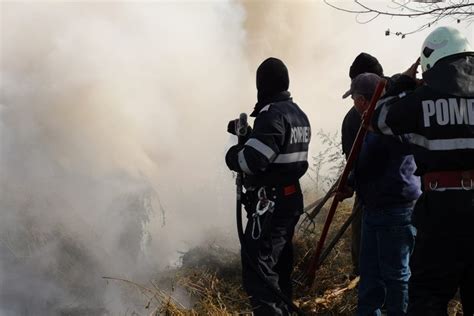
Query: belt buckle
point(467, 188)
point(431, 186)
point(466, 175)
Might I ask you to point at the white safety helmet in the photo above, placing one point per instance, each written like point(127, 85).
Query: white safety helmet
point(442, 42)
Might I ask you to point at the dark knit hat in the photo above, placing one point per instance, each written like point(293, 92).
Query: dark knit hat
point(272, 78)
point(365, 63)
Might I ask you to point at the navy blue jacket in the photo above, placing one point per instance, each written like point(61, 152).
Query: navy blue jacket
point(437, 117)
point(276, 152)
point(384, 173)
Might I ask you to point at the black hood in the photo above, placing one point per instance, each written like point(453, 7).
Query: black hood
point(460, 71)
point(272, 78)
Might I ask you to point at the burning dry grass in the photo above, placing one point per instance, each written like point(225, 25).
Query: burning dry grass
point(211, 278)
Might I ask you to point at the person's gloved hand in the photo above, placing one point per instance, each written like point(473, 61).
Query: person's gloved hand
point(345, 193)
point(412, 71)
point(232, 128)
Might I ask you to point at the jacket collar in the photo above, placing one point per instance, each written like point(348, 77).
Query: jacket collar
point(280, 96)
point(459, 68)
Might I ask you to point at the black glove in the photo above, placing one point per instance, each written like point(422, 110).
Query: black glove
point(231, 158)
point(232, 128)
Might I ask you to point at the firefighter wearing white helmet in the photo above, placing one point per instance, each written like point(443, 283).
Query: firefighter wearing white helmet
point(443, 42)
point(437, 115)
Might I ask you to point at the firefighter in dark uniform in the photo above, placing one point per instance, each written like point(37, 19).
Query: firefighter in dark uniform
point(273, 159)
point(437, 115)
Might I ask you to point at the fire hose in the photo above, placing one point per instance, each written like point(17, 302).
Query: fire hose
point(241, 130)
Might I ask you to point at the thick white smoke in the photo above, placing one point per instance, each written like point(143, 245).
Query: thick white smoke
point(112, 132)
point(111, 150)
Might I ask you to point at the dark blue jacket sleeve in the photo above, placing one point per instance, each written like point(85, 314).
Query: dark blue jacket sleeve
point(399, 111)
point(262, 147)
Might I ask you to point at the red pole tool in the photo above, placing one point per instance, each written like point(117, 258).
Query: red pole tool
point(315, 262)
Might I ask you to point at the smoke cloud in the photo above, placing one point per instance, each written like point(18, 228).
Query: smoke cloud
point(111, 153)
point(112, 133)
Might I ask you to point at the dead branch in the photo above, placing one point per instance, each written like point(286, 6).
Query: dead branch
point(435, 10)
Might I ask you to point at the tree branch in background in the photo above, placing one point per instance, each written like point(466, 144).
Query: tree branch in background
point(433, 10)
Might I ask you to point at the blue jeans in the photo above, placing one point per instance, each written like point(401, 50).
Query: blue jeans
point(388, 238)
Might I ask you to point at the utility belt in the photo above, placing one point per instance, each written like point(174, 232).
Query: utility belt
point(449, 180)
point(260, 204)
point(273, 192)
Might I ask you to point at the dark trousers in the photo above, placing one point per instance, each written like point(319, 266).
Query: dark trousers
point(272, 255)
point(443, 258)
point(356, 233)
